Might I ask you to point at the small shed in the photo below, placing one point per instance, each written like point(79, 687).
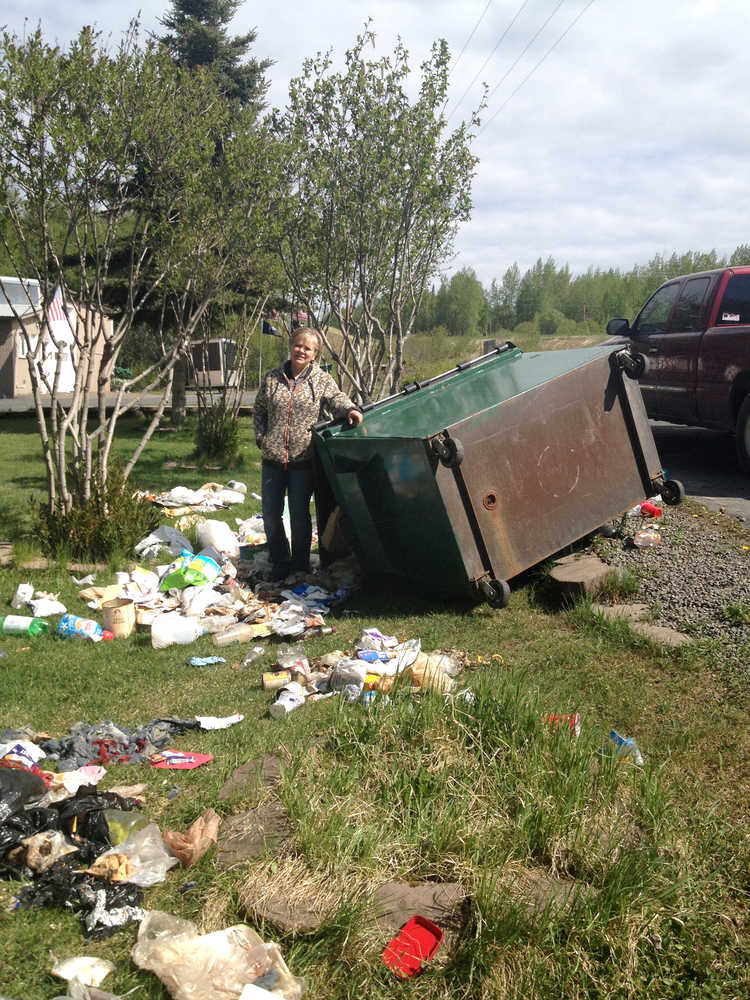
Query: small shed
point(213, 364)
point(21, 298)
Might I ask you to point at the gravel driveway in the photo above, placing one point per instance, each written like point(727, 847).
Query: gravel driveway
point(698, 579)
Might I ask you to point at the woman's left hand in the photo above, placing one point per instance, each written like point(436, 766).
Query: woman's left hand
point(354, 418)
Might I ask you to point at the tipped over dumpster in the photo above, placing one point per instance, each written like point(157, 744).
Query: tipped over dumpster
point(459, 483)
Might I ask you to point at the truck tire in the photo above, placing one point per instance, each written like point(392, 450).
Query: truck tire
point(742, 435)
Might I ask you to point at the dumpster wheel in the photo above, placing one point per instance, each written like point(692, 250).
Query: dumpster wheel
point(495, 592)
point(449, 450)
point(672, 492)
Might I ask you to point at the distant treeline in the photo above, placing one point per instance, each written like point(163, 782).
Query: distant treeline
point(556, 302)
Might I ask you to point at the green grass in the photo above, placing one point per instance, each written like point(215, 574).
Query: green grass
point(426, 788)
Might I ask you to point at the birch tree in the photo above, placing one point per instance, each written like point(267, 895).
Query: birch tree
point(112, 156)
point(376, 188)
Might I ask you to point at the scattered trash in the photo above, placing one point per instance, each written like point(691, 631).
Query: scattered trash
point(205, 661)
point(176, 760)
point(239, 633)
point(415, 944)
point(163, 537)
point(75, 627)
point(649, 509)
point(24, 593)
point(200, 837)
point(210, 966)
point(190, 570)
point(273, 680)
point(119, 617)
point(87, 970)
point(21, 625)
point(289, 698)
point(149, 858)
point(255, 654)
point(213, 722)
point(646, 538)
point(85, 581)
point(219, 536)
point(625, 749)
point(172, 628)
point(572, 721)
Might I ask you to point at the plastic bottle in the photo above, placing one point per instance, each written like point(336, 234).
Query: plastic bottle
point(75, 627)
point(173, 628)
point(238, 633)
point(21, 625)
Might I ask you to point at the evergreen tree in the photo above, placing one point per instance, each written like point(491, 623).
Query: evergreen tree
point(197, 35)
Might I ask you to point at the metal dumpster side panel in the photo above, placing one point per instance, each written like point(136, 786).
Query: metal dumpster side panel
point(395, 516)
point(545, 468)
point(554, 445)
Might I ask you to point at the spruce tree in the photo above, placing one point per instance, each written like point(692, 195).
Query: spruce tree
point(197, 35)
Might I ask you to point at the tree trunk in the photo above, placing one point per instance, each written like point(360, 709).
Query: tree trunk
point(178, 391)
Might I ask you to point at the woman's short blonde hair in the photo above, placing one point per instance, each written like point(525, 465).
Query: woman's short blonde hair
point(308, 332)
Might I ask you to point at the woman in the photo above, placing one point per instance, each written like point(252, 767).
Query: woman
point(289, 402)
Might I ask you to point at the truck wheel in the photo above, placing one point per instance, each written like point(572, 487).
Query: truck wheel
point(495, 592)
point(742, 435)
point(672, 492)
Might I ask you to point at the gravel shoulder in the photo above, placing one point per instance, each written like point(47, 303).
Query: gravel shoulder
point(697, 580)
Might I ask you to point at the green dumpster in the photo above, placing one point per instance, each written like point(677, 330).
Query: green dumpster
point(460, 483)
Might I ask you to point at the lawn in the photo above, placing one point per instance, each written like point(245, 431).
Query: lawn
point(583, 878)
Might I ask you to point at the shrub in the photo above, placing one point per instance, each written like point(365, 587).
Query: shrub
point(217, 435)
point(111, 521)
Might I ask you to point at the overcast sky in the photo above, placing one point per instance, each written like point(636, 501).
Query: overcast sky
point(629, 137)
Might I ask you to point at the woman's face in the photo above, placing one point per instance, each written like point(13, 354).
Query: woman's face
point(304, 350)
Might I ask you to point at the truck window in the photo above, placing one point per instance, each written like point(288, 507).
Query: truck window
point(654, 315)
point(735, 304)
point(688, 313)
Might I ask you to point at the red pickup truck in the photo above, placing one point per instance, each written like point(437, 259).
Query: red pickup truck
point(694, 333)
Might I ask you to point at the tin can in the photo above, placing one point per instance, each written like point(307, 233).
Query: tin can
point(275, 679)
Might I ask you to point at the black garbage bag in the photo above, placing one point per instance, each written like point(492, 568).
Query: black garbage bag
point(21, 824)
point(104, 906)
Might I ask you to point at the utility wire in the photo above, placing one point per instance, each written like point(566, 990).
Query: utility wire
point(525, 50)
point(497, 46)
point(473, 30)
point(536, 67)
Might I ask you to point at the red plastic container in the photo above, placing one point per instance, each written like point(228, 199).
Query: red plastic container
point(415, 944)
point(650, 509)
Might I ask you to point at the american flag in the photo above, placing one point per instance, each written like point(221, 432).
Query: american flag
point(55, 311)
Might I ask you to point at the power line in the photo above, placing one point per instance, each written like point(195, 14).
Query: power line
point(497, 46)
point(536, 67)
point(525, 50)
point(473, 30)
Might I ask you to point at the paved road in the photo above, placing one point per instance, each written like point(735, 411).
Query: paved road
point(706, 463)
point(24, 404)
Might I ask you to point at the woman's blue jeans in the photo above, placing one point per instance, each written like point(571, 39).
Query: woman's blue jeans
point(296, 481)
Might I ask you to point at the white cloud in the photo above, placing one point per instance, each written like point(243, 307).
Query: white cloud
point(630, 139)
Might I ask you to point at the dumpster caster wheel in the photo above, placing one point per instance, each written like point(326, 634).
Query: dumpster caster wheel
point(635, 366)
point(672, 492)
point(449, 450)
point(495, 592)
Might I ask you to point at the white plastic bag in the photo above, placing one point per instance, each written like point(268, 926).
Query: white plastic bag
point(163, 537)
point(220, 535)
point(147, 853)
point(214, 966)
